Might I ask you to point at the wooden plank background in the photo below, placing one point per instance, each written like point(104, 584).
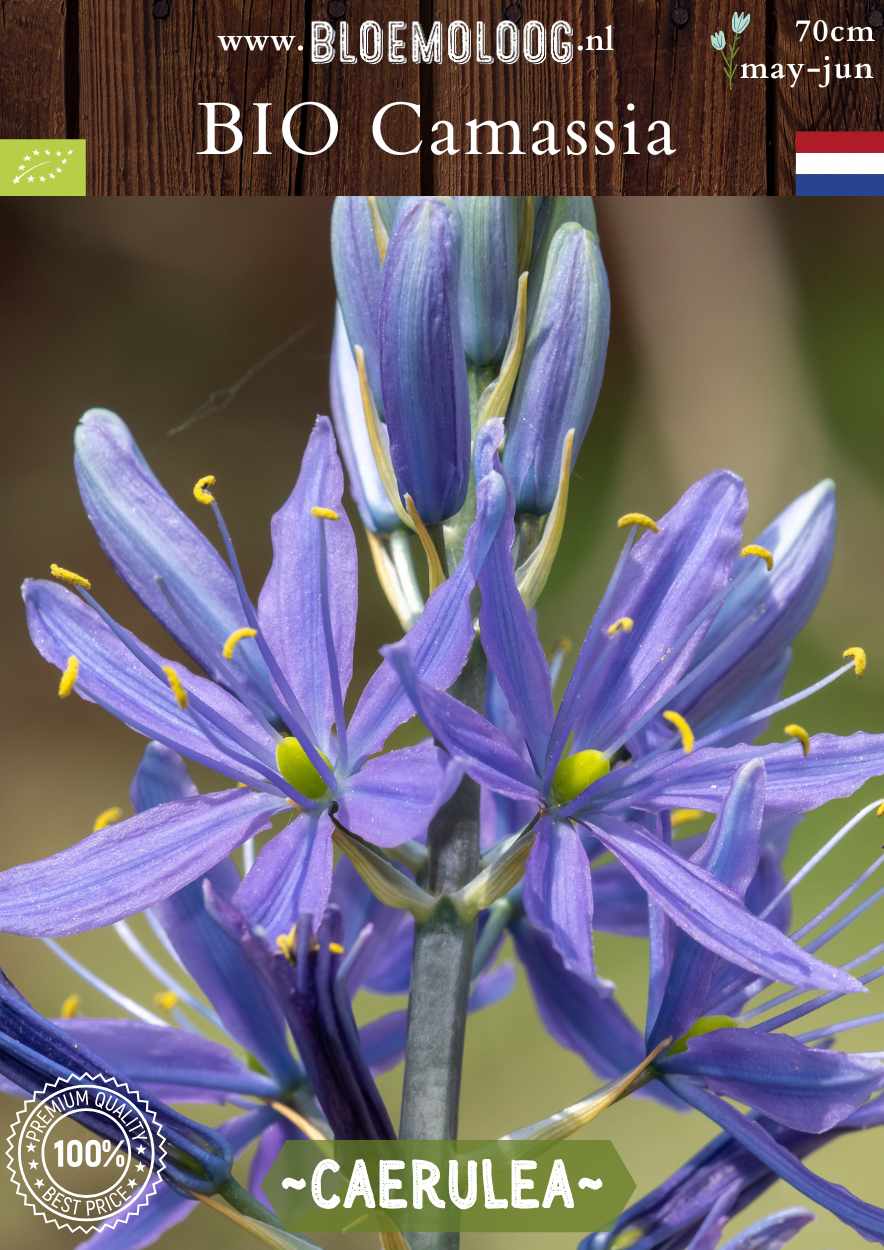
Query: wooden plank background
point(128, 75)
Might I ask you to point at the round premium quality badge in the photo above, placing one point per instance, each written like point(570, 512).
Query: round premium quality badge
point(86, 1153)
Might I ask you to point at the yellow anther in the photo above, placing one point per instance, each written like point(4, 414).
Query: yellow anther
point(576, 773)
point(236, 637)
point(565, 645)
point(68, 679)
point(175, 685)
point(685, 732)
point(70, 1006)
point(801, 734)
point(69, 577)
point(325, 514)
point(166, 1000)
point(286, 942)
point(753, 549)
point(336, 948)
point(858, 655)
point(638, 518)
point(879, 810)
point(107, 817)
point(684, 816)
point(200, 493)
point(623, 625)
point(298, 769)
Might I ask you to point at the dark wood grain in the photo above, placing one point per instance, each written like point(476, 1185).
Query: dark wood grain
point(33, 39)
point(665, 71)
point(143, 79)
point(131, 83)
point(355, 93)
point(845, 105)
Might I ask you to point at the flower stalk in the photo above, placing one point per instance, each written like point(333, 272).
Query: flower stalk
point(442, 969)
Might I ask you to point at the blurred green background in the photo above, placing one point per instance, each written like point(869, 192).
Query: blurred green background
point(746, 334)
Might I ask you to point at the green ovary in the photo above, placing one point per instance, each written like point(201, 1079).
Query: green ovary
point(576, 773)
point(298, 770)
point(706, 1024)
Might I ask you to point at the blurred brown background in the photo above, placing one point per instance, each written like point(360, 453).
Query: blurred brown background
point(747, 334)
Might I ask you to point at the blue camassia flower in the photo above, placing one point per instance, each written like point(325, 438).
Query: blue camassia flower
point(270, 715)
point(791, 1084)
point(682, 630)
point(257, 992)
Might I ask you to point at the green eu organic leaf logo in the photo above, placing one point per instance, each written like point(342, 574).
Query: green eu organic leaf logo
point(43, 167)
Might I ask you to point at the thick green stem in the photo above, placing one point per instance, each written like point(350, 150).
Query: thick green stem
point(441, 971)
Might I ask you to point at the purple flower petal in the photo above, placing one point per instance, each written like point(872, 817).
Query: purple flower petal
point(865, 1218)
point(666, 582)
point(290, 877)
point(166, 560)
point(130, 865)
point(834, 768)
point(800, 1086)
point(313, 561)
point(358, 278)
point(515, 655)
point(175, 1064)
point(440, 641)
point(62, 625)
point(557, 895)
point(393, 797)
point(712, 914)
point(468, 737)
point(771, 1233)
point(764, 609)
point(730, 852)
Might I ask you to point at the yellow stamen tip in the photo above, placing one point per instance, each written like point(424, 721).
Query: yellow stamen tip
point(638, 518)
point(69, 577)
point(565, 645)
point(175, 685)
point(166, 1000)
point(753, 549)
point(336, 948)
point(684, 730)
point(623, 625)
point(684, 816)
point(68, 679)
point(801, 734)
point(325, 514)
point(70, 1006)
point(879, 810)
point(107, 817)
point(200, 492)
point(286, 942)
point(236, 637)
point(860, 660)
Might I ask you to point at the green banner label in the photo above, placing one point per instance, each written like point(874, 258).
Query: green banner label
point(467, 1186)
point(42, 167)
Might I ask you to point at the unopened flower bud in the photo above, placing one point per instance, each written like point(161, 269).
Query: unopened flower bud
point(423, 370)
point(562, 367)
point(489, 273)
